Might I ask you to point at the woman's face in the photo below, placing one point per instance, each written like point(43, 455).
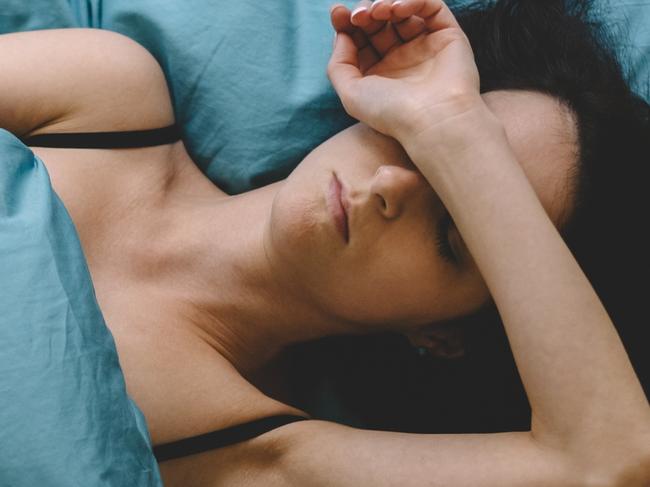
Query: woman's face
point(381, 266)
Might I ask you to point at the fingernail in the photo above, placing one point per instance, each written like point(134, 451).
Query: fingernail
point(357, 11)
point(399, 3)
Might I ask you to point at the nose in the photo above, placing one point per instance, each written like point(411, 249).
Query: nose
point(393, 187)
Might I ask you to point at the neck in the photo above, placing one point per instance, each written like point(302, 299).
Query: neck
point(229, 292)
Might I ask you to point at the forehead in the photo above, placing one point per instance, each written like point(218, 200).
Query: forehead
point(542, 133)
point(540, 130)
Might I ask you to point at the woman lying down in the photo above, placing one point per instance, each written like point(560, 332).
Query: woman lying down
point(441, 201)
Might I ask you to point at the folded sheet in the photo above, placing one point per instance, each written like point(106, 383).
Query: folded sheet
point(65, 417)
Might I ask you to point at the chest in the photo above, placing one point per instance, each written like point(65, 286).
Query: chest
point(115, 199)
point(107, 191)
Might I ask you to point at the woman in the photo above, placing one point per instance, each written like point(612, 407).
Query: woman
point(381, 382)
point(202, 290)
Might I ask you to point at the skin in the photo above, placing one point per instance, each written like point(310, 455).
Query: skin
point(281, 241)
point(390, 275)
point(183, 271)
point(247, 275)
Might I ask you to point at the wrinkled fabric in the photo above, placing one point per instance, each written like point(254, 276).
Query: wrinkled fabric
point(248, 84)
point(21, 15)
point(65, 417)
point(247, 77)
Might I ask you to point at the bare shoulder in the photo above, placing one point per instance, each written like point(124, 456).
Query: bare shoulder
point(131, 91)
point(81, 80)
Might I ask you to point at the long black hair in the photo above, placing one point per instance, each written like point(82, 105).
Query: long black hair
point(558, 48)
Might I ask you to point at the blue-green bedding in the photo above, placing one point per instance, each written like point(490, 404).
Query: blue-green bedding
point(247, 77)
point(65, 417)
point(248, 83)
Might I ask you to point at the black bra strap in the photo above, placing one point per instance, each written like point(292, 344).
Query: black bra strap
point(221, 438)
point(107, 140)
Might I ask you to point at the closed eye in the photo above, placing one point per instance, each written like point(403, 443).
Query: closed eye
point(442, 240)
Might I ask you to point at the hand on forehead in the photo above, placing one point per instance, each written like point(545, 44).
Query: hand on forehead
point(380, 26)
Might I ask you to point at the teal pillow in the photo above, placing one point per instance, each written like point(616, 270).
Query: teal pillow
point(20, 15)
point(65, 417)
point(248, 77)
point(629, 24)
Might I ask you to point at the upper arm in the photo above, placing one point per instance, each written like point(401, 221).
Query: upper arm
point(327, 454)
point(81, 79)
point(324, 454)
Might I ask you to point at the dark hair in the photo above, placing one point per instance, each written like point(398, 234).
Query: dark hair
point(560, 50)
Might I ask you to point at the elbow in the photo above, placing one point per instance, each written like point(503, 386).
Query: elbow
point(635, 471)
point(618, 457)
point(623, 470)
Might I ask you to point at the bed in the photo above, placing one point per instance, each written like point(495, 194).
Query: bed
point(249, 89)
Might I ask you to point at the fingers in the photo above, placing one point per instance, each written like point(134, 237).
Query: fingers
point(386, 39)
point(343, 69)
point(364, 16)
point(435, 13)
point(340, 17)
point(380, 26)
point(407, 8)
point(409, 28)
point(368, 57)
point(381, 10)
point(373, 19)
point(361, 14)
point(341, 21)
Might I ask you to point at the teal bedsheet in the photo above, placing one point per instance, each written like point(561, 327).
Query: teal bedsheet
point(248, 83)
point(65, 417)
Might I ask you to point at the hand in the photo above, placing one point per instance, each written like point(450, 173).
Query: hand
point(402, 66)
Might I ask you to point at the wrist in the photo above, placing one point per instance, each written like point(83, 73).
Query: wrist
point(461, 127)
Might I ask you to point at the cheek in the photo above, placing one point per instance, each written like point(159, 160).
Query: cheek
point(296, 231)
point(293, 218)
point(387, 287)
point(403, 284)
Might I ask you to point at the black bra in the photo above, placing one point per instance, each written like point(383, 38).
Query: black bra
point(221, 438)
point(107, 140)
point(149, 138)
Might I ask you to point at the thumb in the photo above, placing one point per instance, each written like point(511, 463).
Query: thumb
point(343, 68)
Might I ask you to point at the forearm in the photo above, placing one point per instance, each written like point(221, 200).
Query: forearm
point(579, 381)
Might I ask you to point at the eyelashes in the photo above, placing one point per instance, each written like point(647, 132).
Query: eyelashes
point(442, 239)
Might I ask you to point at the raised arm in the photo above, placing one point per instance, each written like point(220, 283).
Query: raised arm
point(590, 418)
point(79, 80)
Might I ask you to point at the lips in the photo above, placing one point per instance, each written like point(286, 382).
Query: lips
point(337, 206)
